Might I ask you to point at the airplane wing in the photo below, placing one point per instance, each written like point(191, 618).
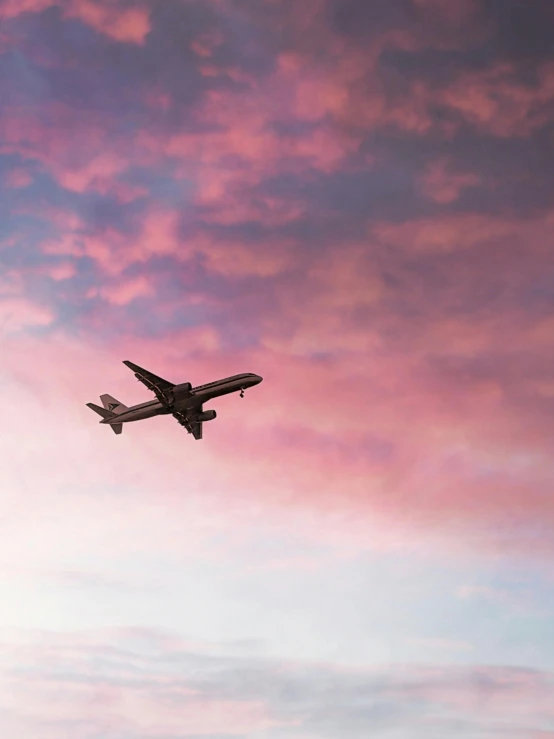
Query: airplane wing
point(193, 427)
point(160, 387)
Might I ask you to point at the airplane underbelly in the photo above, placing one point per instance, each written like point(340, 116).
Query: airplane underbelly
point(139, 414)
point(224, 391)
point(216, 393)
point(182, 404)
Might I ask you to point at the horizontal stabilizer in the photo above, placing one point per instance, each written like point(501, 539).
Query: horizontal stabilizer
point(117, 428)
point(104, 412)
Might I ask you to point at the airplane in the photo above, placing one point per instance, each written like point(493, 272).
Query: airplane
point(183, 402)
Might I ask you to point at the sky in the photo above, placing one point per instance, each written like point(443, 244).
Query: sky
point(354, 200)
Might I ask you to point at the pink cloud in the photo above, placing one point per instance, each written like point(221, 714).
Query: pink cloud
point(495, 101)
point(112, 18)
point(178, 687)
point(13, 8)
point(236, 208)
point(338, 90)
point(443, 186)
point(125, 24)
point(347, 88)
point(205, 44)
point(14, 284)
point(124, 292)
point(18, 178)
point(329, 94)
point(17, 314)
point(431, 481)
point(457, 233)
point(96, 174)
point(459, 453)
point(241, 260)
point(91, 159)
point(246, 132)
point(505, 694)
point(461, 449)
point(114, 251)
point(62, 271)
point(72, 160)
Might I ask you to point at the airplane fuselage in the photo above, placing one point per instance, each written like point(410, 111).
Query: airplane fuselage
point(185, 397)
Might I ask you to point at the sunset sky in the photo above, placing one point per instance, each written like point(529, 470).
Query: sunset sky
point(355, 200)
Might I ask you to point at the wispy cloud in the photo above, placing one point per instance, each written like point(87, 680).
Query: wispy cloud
point(137, 685)
point(117, 20)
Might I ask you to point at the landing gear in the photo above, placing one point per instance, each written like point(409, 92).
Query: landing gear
point(242, 392)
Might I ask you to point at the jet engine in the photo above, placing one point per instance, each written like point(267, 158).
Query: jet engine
point(205, 416)
point(184, 387)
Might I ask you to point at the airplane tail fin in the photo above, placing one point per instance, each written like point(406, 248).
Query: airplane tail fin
point(117, 428)
point(112, 404)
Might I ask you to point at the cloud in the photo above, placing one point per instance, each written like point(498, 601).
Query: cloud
point(124, 24)
point(125, 292)
point(114, 19)
point(430, 418)
point(384, 447)
point(18, 178)
point(351, 201)
point(498, 103)
point(17, 314)
point(444, 187)
point(136, 684)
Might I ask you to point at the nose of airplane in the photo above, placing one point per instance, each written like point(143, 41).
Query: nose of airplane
point(258, 379)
